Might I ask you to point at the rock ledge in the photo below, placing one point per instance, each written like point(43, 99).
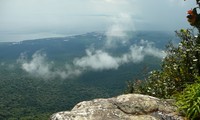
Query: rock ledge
point(123, 107)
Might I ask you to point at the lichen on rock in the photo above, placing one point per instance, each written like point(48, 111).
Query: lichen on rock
point(123, 107)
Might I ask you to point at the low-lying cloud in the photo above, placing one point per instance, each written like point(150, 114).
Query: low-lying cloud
point(94, 60)
point(117, 32)
point(39, 66)
point(97, 60)
point(102, 60)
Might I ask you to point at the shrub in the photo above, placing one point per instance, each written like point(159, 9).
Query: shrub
point(180, 74)
point(188, 101)
point(179, 67)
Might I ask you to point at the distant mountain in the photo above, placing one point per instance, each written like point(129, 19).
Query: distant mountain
point(73, 46)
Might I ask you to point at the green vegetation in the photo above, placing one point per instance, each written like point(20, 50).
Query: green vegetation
point(179, 67)
point(178, 76)
point(180, 72)
point(189, 100)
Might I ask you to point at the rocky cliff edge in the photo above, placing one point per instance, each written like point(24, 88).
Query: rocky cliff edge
point(123, 107)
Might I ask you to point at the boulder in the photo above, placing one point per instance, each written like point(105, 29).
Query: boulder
point(123, 107)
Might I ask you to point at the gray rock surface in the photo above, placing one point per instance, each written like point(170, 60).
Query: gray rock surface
point(123, 107)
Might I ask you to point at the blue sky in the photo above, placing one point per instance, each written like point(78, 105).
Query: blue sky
point(31, 19)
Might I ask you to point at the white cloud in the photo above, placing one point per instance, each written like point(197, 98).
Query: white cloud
point(149, 49)
point(117, 32)
point(97, 60)
point(138, 52)
point(152, 51)
point(39, 66)
point(2, 63)
point(101, 60)
point(68, 72)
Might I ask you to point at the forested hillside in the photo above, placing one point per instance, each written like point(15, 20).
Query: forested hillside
point(26, 95)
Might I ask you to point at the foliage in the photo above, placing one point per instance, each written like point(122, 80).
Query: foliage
point(180, 74)
point(179, 67)
point(188, 101)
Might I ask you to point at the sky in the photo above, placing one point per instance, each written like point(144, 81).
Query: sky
point(32, 19)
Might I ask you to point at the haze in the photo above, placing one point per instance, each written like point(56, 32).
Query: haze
point(32, 19)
